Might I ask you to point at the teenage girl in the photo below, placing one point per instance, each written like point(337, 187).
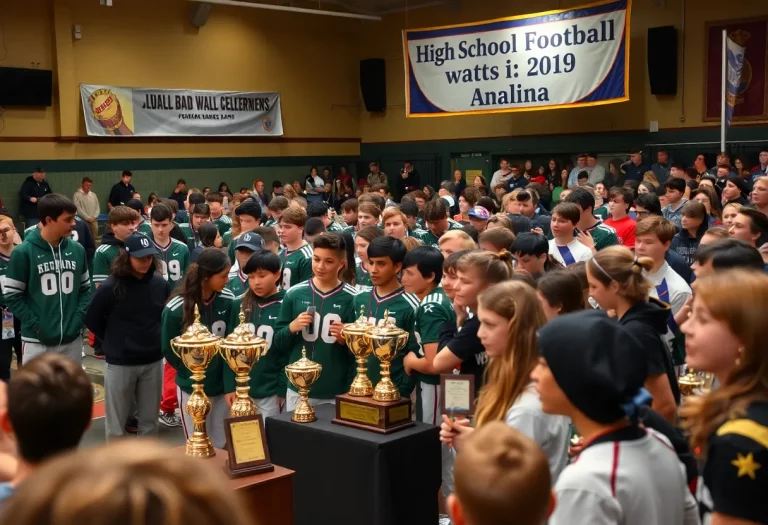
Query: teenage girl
point(363, 238)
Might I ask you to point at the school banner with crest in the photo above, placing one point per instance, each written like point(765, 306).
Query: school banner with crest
point(555, 59)
point(147, 112)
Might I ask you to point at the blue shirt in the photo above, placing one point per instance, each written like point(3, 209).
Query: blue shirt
point(635, 172)
point(520, 182)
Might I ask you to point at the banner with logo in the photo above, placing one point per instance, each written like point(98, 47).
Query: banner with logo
point(147, 112)
point(735, 55)
point(750, 97)
point(566, 58)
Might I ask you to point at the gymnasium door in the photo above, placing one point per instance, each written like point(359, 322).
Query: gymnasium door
point(472, 164)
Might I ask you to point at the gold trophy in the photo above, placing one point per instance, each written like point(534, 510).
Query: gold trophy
point(357, 337)
point(196, 347)
point(303, 374)
point(241, 350)
point(386, 412)
point(689, 383)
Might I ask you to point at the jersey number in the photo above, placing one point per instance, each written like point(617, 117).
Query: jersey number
point(325, 329)
point(172, 270)
point(219, 328)
point(418, 340)
point(266, 332)
point(286, 278)
point(50, 286)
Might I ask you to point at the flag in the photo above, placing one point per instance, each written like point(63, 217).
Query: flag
point(735, 54)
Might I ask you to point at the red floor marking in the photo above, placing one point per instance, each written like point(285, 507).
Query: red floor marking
point(98, 410)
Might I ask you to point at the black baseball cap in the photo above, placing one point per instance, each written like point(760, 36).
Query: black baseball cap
point(139, 245)
point(250, 241)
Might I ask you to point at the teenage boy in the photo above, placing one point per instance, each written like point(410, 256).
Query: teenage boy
point(620, 201)
point(175, 231)
point(297, 255)
point(349, 214)
point(193, 198)
point(275, 209)
point(529, 208)
point(312, 229)
point(173, 254)
point(422, 273)
point(603, 235)
point(271, 239)
point(411, 211)
point(496, 239)
point(247, 244)
point(223, 222)
point(531, 252)
point(436, 217)
point(319, 210)
point(332, 301)
point(262, 308)
point(368, 214)
point(750, 226)
point(478, 218)
point(50, 406)
point(47, 284)
point(625, 473)
point(249, 215)
point(122, 220)
point(385, 261)
point(674, 191)
point(201, 214)
point(566, 249)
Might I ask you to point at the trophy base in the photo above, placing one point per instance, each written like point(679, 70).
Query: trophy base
point(241, 472)
point(200, 450)
point(383, 417)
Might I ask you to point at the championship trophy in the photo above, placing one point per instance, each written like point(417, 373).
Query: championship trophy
point(385, 412)
point(303, 374)
point(690, 383)
point(241, 350)
point(196, 347)
point(357, 338)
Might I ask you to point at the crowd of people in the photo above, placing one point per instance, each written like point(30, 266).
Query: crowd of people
point(577, 298)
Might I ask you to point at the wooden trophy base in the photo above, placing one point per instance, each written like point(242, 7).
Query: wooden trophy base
point(241, 472)
point(365, 413)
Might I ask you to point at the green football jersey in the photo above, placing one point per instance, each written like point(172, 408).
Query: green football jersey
point(268, 375)
point(338, 362)
point(402, 308)
point(603, 235)
point(238, 282)
point(430, 239)
point(335, 227)
point(102, 261)
point(270, 223)
point(223, 223)
point(215, 314)
point(193, 237)
point(4, 261)
point(174, 258)
point(296, 265)
point(362, 278)
point(434, 311)
point(145, 228)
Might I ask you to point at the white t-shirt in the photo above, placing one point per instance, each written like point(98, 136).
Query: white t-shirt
point(678, 291)
point(551, 432)
point(571, 253)
point(636, 482)
point(499, 177)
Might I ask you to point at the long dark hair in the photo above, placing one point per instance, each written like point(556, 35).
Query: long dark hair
point(208, 233)
point(121, 269)
point(212, 261)
point(349, 274)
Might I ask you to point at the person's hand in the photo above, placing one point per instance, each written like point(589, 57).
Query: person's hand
point(408, 362)
point(537, 230)
point(611, 313)
point(33, 199)
point(404, 174)
point(586, 239)
point(576, 447)
point(452, 433)
point(301, 322)
point(335, 330)
point(682, 315)
point(230, 398)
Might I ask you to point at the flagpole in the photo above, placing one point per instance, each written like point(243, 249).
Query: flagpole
point(724, 90)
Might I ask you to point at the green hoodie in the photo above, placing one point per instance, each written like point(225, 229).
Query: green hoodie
point(48, 288)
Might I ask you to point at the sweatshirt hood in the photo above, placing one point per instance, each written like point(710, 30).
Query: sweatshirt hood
point(110, 239)
point(35, 238)
point(653, 312)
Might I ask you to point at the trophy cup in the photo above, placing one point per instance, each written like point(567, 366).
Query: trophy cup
point(689, 383)
point(303, 374)
point(242, 350)
point(385, 412)
point(359, 343)
point(196, 347)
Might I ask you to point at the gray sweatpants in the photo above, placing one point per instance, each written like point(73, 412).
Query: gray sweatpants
point(73, 350)
point(129, 388)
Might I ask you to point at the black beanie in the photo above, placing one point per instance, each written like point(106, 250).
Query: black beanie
point(597, 363)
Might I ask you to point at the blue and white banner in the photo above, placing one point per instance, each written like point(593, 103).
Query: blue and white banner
point(566, 58)
point(733, 83)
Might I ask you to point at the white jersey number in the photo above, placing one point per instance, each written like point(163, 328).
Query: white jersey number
point(266, 332)
point(50, 285)
point(286, 278)
point(171, 270)
point(219, 328)
point(325, 329)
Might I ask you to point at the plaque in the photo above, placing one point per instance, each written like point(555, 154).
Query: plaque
point(457, 394)
point(246, 446)
point(383, 417)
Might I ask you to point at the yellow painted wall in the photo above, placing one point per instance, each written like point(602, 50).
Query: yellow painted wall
point(635, 114)
point(310, 60)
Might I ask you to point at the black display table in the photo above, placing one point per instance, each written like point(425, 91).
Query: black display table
point(346, 476)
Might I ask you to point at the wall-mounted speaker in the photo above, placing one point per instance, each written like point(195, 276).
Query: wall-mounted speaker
point(373, 84)
point(198, 13)
point(662, 60)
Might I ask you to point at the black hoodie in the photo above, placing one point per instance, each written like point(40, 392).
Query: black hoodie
point(30, 188)
point(127, 318)
point(647, 321)
point(685, 245)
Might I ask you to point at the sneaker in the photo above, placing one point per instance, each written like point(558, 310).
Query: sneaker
point(132, 426)
point(169, 420)
point(443, 520)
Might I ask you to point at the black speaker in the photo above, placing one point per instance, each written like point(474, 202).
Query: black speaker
point(373, 84)
point(662, 60)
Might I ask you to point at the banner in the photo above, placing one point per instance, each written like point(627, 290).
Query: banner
point(735, 55)
point(566, 58)
point(749, 98)
point(146, 112)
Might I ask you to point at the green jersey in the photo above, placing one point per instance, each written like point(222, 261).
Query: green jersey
point(268, 376)
point(192, 236)
point(362, 278)
point(48, 288)
point(223, 223)
point(335, 227)
point(270, 223)
point(296, 265)
point(145, 228)
point(4, 261)
point(174, 258)
point(215, 313)
point(602, 212)
point(102, 259)
point(430, 239)
point(238, 282)
point(402, 308)
point(338, 362)
point(603, 235)
point(434, 311)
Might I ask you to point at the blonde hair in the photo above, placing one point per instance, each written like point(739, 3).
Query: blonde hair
point(650, 177)
point(499, 221)
point(509, 197)
point(507, 376)
point(124, 483)
point(492, 267)
point(617, 263)
point(466, 241)
point(391, 212)
point(739, 299)
point(411, 243)
point(289, 192)
point(735, 205)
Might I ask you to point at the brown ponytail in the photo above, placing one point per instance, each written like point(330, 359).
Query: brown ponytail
point(617, 263)
point(492, 267)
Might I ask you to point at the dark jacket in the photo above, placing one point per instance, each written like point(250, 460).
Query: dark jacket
point(125, 313)
point(678, 263)
point(180, 198)
point(177, 234)
point(409, 184)
point(30, 188)
point(647, 322)
point(121, 193)
point(685, 245)
point(83, 235)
